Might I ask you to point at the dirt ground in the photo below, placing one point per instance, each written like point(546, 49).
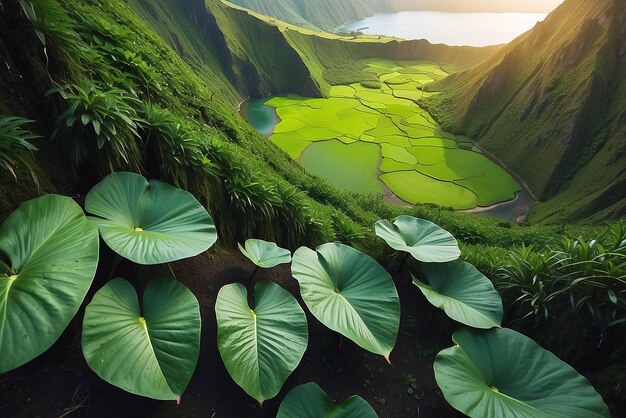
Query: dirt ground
point(60, 384)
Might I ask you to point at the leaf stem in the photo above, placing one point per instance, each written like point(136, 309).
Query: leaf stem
point(253, 273)
point(5, 269)
point(116, 262)
point(171, 270)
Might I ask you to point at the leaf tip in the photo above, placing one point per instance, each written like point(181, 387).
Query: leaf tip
point(177, 400)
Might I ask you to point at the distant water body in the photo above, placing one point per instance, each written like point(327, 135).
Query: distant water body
point(473, 29)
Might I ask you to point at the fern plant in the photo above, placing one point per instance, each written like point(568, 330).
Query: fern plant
point(176, 151)
point(101, 124)
point(16, 145)
point(54, 27)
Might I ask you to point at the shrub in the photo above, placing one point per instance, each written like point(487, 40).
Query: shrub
point(16, 146)
point(102, 128)
point(371, 84)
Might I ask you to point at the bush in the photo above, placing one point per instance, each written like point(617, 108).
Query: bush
point(372, 84)
point(16, 146)
point(100, 120)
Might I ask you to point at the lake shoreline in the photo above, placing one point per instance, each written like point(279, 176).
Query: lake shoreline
point(475, 29)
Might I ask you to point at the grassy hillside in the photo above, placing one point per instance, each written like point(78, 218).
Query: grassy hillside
point(551, 105)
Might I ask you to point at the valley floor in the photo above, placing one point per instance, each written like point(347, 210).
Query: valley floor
point(373, 137)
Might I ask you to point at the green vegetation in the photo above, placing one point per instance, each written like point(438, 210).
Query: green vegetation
point(556, 122)
point(261, 346)
point(350, 293)
point(16, 145)
point(464, 293)
point(310, 401)
point(149, 348)
point(364, 134)
point(52, 254)
point(522, 380)
point(265, 254)
point(178, 120)
point(149, 222)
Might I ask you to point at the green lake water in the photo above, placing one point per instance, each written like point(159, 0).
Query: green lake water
point(353, 167)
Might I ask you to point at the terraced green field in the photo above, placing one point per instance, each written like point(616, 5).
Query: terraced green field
point(372, 133)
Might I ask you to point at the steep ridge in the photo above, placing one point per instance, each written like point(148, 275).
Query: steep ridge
point(259, 55)
point(552, 106)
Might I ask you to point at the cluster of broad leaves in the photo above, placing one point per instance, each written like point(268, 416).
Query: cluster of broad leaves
point(149, 346)
point(52, 249)
point(491, 372)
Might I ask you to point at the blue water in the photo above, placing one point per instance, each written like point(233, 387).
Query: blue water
point(473, 29)
point(263, 118)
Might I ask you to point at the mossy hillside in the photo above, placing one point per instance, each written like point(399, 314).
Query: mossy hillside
point(555, 94)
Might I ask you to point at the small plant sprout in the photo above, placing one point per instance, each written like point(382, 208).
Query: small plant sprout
point(264, 254)
point(423, 240)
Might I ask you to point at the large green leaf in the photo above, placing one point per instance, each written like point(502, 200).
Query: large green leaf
point(350, 293)
point(153, 354)
point(149, 223)
point(52, 250)
point(463, 293)
point(265, 254)
point(424, 240)
point(502, 373)
point(261, 346)
point(310, 401)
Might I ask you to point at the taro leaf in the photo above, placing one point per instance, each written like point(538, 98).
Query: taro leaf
point(265, 254)
point(502, 373)
point(310, 401)
point(350, 293)
point(463, 293)
point(149, 222)
point(262, 346)
point(52, 249)
point(153, 355)
point(424, 240)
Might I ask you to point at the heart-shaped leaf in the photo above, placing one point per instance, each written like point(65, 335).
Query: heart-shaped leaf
point(260, 347)
point(52, 249)
point(463, 293)
point(265, 254)
point(151, 355)
point(502, 373)
point(149, 223)
point(310, 401)
point(424, 240)
point(350, 293)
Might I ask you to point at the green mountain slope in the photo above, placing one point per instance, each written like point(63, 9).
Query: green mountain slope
point(552, 106)
point(260, 56)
